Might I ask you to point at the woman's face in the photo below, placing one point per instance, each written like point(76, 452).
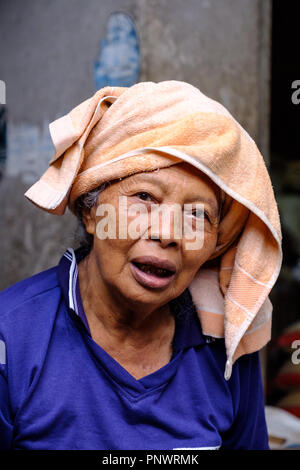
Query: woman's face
point(128, 266)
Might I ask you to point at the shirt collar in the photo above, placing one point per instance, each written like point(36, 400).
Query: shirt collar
point(188, 332)
point(68, 279)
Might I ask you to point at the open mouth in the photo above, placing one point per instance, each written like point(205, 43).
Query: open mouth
point(150, 269)
point(153, 273)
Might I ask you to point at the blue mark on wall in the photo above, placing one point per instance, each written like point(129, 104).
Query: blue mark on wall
point(119, 59)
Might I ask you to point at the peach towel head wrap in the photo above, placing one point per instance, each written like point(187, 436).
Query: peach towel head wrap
point(122, 131)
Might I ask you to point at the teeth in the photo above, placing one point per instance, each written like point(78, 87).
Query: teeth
point(153, 270)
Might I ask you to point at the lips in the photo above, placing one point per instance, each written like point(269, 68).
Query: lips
point(155, 262)
point(153, 272)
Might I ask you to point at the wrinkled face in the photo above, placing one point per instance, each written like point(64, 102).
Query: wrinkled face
point(153, 271)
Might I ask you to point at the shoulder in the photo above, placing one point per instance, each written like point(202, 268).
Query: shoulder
point(29, 296)
point(246, 369)
point(28, 288)
point(28, 314)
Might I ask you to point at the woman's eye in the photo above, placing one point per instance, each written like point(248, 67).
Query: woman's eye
point(144, 196)
point(199, 213)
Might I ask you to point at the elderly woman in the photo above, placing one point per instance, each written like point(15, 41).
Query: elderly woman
point(124, 344)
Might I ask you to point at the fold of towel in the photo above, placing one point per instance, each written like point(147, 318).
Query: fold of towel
point(122, 131)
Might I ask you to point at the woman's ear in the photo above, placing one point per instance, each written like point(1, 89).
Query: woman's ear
point(88, 218)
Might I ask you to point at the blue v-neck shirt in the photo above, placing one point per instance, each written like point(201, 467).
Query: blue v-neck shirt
point(60, 390)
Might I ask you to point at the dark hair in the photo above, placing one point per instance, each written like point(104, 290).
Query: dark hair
point(84, 204)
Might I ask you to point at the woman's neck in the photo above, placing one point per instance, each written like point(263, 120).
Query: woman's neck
point(115, 318)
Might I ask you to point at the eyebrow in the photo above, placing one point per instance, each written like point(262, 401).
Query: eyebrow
point(208, 200)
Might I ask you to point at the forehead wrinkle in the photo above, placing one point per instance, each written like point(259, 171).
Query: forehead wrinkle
point(150, 177)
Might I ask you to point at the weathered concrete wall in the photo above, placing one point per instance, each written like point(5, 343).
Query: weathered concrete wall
point(47, 52)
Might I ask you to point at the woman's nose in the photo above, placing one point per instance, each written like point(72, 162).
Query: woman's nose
point(165, 226)
point(164, 241)
point(165, 234)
